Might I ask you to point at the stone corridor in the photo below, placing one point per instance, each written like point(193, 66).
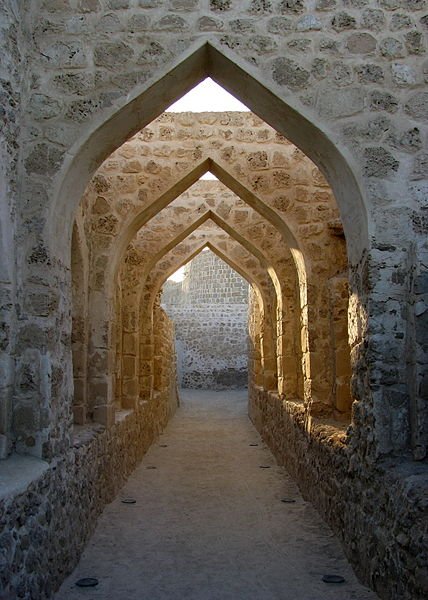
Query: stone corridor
point(316, 196)
point(208, 522)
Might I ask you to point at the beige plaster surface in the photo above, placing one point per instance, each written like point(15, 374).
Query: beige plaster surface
point(208, 522)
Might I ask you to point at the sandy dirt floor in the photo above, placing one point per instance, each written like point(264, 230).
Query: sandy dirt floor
point(208, 522)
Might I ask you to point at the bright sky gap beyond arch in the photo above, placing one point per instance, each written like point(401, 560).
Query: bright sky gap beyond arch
point(207, 96)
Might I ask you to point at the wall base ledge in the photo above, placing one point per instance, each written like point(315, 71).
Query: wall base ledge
point(17, 472)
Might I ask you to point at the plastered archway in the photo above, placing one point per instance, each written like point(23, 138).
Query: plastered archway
point(240, 261)
point(131, 307)
point(102, 299)
point(114, 128)
point(148, 102)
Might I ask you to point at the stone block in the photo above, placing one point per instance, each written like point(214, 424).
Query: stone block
point(348, 102)
point(220, 5)
point(289, 73)
point(129, 402)
point(270, 381)
point(129, 366)
point(112, 54)
point(130, 387)
point(79, 415)
point(146, 351)
point(4, 446)
point(130, 341)
point(342, 362)
point(43, 159)
point(98, 391)
point(25, 419)
point(65, 54)
point(269, 364)
point(417, 106)
point(380, 162)
point(105, 415)
point(88, 6)
point(79, 391)
point(343, 21)
point(392, 48)
point(403, 75)
point(361, 43)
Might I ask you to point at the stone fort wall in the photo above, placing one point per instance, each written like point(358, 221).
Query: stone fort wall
point(48, 511)
point(210, 311)
point(343, 79)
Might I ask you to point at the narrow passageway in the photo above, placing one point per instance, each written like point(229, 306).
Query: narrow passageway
point(209, 523)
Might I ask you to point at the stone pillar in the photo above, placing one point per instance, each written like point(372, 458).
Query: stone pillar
point(269, 350)
point(417, 352)
point(79, 332)
point(7, 328)
point(100, 360)
point(255, 350)
point(288, 332)
point(339, 294)
point(318, 360)
point(130, 320)
point(146, 366)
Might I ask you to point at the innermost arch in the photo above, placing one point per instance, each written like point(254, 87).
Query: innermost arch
point(207, 96)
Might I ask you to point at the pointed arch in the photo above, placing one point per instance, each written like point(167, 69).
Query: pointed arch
point(267, 306)
point(260, 295)
point(268, 346)
point(225, 177)
point(210, 216)
point(114, 126)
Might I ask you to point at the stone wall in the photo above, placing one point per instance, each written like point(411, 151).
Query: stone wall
point(210, 317)
point(378, 511)
point(266, 165)
point(346, 83)
point(48, 511)
point(209, 280)
point(10, 98)
point(165, 363)
point(343, 80)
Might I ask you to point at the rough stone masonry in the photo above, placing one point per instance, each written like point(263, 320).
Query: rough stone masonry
point(320, 204)
point(209, 308)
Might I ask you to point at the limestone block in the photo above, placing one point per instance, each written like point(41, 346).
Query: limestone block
point(4, 446)
point(112, 54)
point(130, 342)
point(104, 414)
point(98, 391)
point(361, 43)
point(269, 363)
point(270, 381)
point(79, 396)
point(130, 387)
point(146, 382)
point(350, 102)
point(129, 402)
point(79, 415)
point(146, 351)
point(129, 365)
point(289, 73)
point(342, 362)
point(343, 398)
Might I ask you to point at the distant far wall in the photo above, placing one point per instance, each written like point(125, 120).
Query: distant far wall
point(210, 311)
